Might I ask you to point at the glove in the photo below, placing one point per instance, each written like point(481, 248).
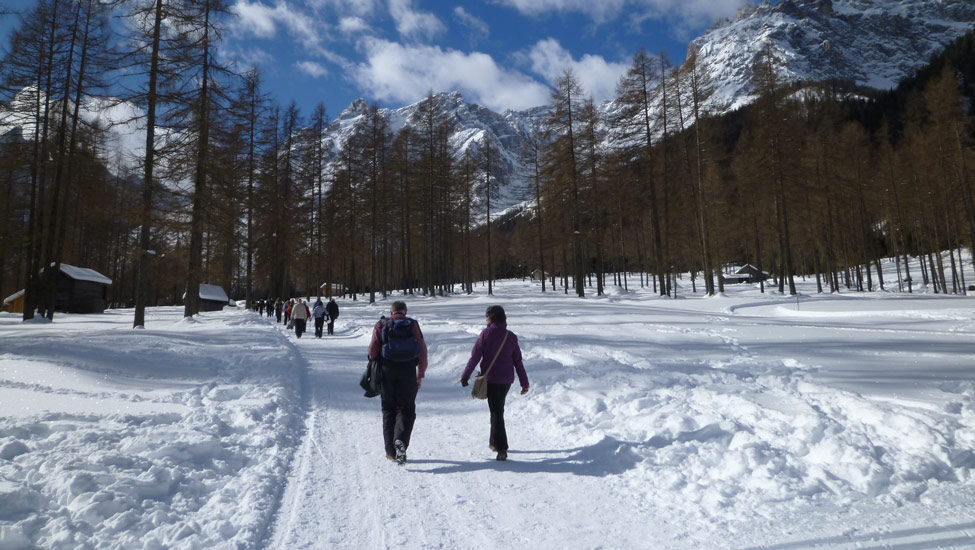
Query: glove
point(464, 382)
point(524, 390)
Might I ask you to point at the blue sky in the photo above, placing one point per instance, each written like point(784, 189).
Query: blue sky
point(499, 53)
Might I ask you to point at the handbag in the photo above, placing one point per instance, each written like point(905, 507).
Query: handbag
point(372, 379)
point(479, 391)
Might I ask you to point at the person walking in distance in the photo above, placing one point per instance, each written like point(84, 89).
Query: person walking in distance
point(320, 313)
point(397, 343)
point(300, 314)
point(498, 344)
point(333, 313)
point(278, 309)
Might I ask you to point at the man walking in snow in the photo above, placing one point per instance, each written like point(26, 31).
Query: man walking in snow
point(397, 343)
point(333, 313)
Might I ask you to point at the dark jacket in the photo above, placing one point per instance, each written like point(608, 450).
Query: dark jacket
point(333, 310)
point(508, 362)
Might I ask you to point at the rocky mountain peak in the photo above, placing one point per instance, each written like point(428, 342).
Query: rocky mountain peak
point(870, 42)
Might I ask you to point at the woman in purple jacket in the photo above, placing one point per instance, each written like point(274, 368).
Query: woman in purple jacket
point(502, 374)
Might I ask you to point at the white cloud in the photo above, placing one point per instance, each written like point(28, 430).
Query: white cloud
point(476, 24)
point(404, 74)
point(351, 25)
point(597, 76)
point(261, 20)
point(413, 24)
point(359, 8)
point(243, 58)
point(255, 18)
point(690, 12)
point(599, 10)
point(312, 69)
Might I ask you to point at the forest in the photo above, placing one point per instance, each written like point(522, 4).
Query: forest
point(662, 190)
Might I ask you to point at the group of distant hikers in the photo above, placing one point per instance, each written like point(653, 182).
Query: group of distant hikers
point(295, 313)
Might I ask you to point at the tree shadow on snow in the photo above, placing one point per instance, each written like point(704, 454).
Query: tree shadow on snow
point(604, 458)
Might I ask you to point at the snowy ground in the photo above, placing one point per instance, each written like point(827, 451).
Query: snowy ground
point(741, 421)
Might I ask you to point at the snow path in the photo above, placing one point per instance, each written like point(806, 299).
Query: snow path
point(721, 423)
point(344, 494)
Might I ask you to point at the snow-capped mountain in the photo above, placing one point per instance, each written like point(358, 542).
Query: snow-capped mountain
point(871, 42)
point(471, 127)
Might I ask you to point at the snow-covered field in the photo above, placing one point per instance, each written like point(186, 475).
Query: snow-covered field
point(741, 421)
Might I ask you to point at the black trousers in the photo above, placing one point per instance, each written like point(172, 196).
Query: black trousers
point(319, 324)
point(331, 326)
point(496, 395)
point(398, 395)
point(299, 327)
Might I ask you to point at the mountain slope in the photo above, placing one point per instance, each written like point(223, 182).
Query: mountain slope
point(471, 127)
point(871, 42)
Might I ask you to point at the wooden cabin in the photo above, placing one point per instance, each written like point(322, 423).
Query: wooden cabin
point(81, 290)
point(14, 303)
point(213, 298)
point(332, 289)
point(746, 274)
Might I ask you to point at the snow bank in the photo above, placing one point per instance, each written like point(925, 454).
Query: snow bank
point(173, 437)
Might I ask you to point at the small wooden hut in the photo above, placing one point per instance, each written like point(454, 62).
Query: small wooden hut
point(747, 274)
point(213, 298)
point(81, 290)
point(15, 302)
point(332, 289)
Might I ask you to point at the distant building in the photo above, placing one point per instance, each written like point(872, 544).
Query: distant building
point(332, 289)
point(213, 298)
point(746, 274)
point(81, 290)
point(15, 302)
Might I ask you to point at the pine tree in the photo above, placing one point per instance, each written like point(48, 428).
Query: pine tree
point(567, 97)
point(636, 124)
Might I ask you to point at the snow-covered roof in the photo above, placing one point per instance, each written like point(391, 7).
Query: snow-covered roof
point(214, 293)
point(13, 296)
point(84, 274)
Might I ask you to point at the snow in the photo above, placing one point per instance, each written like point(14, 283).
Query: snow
point(13, 296)
point(84, 274)
point(213, 292)
point(746, 420)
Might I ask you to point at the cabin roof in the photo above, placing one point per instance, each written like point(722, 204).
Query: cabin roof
point(13, 296)
point(213, 293)
point(84, 274)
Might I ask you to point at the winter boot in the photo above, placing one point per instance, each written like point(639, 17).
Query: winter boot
point(400, 452)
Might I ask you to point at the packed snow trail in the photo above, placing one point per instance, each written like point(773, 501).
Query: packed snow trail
point(343, 493)
point(653, 423)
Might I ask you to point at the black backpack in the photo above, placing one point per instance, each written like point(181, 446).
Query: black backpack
point(400, 345)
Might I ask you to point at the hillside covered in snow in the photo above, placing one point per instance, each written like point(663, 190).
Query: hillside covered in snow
point(872, 43)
